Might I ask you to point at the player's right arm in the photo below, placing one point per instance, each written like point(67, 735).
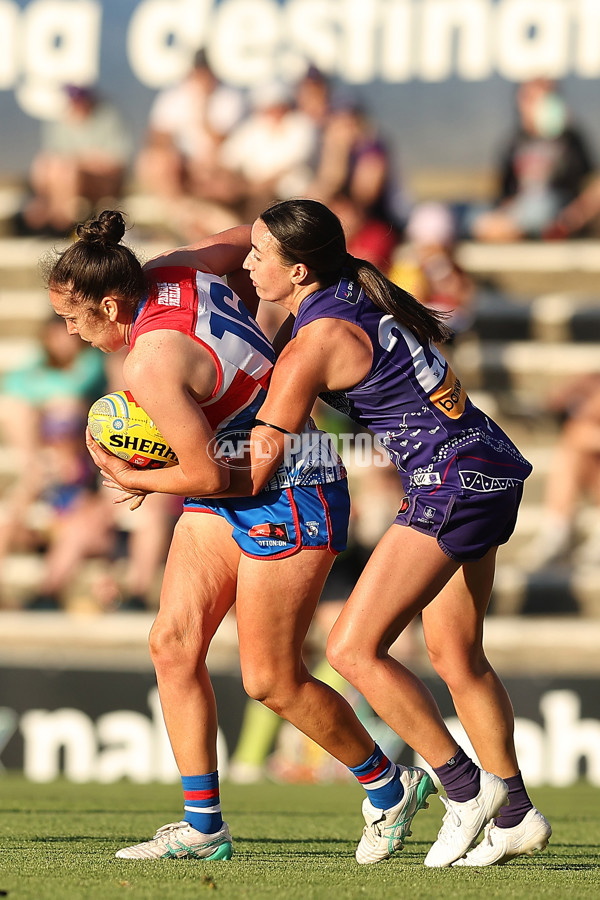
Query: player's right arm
point(326, 355)
point(220, 254)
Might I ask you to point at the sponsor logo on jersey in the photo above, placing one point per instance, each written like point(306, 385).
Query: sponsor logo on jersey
point(277, 534)
point(168, 293)
point(450, 397)
point(349, 290)
point(404, 504)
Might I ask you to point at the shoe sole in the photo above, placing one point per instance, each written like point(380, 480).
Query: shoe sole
point(531, 851)
point(225, 851)
point(500, 799)
point(425, 788)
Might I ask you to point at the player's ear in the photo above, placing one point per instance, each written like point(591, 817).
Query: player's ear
point(300, 273)
point(110, 308)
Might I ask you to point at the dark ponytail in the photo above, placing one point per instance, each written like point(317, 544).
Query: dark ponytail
point(308, 232)
point(97, 265)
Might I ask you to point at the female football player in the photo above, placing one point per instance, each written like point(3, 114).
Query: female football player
point(199, 366)
point(370, 350)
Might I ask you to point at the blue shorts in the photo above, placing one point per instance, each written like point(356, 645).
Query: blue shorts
point(466, 524)
point(276, 524)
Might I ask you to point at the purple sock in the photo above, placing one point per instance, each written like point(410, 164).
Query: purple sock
point(519, 801)
point(459, 777)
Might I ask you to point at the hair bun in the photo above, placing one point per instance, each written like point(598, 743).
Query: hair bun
point(107, 228)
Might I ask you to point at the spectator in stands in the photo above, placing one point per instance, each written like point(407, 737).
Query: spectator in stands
point(271, 151)
point(54, 503)
point(425, 265)
point(580, 216)
point(355, 161)
point(82, 161)
point(543, 168)
point(366, 236)
point(313, 96)
point(44, 406)
point(573, 478)
point(179, 160)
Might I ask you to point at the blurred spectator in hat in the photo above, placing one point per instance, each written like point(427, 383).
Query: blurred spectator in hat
point(425, 264)
point(82, 162)
point(179, 160)
point(543, 169)
point(270, 152)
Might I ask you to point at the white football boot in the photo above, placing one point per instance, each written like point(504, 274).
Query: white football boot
point(386, 828)
point(464, 822)
point(499, 845)
point(180, 841)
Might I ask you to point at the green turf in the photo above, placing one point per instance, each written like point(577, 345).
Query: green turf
point(58, 841)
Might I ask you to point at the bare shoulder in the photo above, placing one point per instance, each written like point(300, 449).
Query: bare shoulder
point(165, 359)
point(340, 351)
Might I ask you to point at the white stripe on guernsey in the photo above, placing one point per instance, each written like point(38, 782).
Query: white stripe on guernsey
point(203, 809)
point(381, 782)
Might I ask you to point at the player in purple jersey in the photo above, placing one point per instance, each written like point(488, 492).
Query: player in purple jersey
point(369, 349)
point(198, 365)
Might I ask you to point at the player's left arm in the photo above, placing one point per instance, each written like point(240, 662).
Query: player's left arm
point(328, 354)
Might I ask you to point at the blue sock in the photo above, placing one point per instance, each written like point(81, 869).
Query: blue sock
point(380, 778)
point(202, 803)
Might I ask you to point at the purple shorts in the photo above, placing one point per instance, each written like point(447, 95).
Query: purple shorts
point(465, 524)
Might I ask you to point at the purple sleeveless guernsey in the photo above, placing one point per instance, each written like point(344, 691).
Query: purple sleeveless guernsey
point(415, 405)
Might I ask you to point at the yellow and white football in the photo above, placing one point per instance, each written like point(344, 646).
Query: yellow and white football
point(122, 427)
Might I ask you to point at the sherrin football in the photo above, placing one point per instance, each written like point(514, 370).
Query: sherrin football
point(122, 427)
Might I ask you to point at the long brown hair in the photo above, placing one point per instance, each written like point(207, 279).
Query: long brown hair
point(309, 232)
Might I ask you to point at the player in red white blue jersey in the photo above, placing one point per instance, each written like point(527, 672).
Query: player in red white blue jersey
point(369, 349)
point(199, 366)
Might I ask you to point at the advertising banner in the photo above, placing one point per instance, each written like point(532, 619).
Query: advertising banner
point(106, 725)
point(439, 73)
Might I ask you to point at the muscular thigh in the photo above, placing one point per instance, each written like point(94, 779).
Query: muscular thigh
point(453, 622)
point(200, 575)
point(406, 571)
point(276, 601)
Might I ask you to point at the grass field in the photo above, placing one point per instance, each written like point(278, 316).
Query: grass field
point(58, 841)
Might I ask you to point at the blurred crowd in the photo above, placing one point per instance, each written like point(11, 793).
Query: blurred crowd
point(213, 156)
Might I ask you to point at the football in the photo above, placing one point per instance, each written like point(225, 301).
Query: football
point(119, 425)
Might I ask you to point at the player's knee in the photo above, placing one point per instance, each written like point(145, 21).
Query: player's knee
point(344, 656)
point(171, 649)
point(458, 667)
point(268, 687)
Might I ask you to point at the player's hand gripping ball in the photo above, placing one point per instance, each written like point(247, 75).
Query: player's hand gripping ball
point(121, 427)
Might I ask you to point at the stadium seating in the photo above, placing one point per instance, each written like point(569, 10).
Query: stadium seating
point(537, 322)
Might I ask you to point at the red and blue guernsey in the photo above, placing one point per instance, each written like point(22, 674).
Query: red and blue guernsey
point(202, 306)
point(412, 400)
